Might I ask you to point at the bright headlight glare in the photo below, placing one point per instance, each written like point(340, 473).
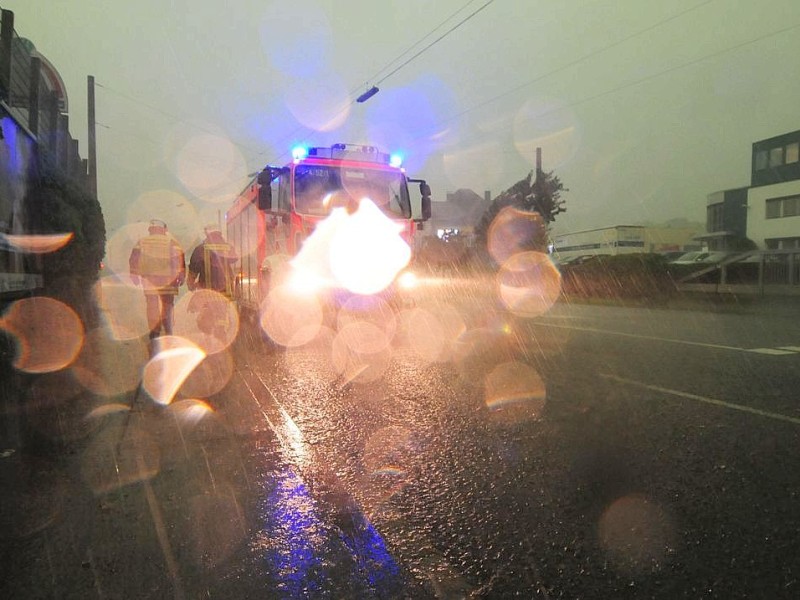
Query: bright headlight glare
point(407, 280)
point(304, 283)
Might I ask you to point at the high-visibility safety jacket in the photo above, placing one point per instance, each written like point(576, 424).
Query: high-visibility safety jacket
point(211, 266)
point(158, 262)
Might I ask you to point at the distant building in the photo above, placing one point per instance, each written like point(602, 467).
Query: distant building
point(768, 211)
point(457, 216)
point(624, 239)
point(726, 219)
point(773, 200)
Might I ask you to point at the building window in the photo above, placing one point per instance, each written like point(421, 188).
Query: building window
point(714, 218)
point(791, 206)
point(788, 206)
point(792, 153)
point(761, 160)
point(776, 157)
point(774, 208)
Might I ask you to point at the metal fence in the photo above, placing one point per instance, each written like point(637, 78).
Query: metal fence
point(763, 272)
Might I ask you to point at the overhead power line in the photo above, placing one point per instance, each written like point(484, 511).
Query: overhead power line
point(174, 117)
point(434, 42)
point(415, 44)
point(581, 59)
point(672, 69)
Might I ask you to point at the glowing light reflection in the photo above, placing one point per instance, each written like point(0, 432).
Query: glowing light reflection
point(39, 244)
point(174, 359)
point(513, 231)
point(636, 534)
point(368, 252)
point(299, 540)
point(208, 319)
point(49, 334)
point(108, 367)
point(515, 392)
point(529, 283)
point(210, 376)
point(288, 319)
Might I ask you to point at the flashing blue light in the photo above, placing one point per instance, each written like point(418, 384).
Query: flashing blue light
point(396, 160)
point(299, 152)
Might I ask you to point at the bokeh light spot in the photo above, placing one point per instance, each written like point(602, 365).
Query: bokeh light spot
point(513, 231)
point(211, 168)
point(210, 376)
point(173, 361)
point(123, 308)
point(290, 319)
point(529, 284)
point(39, 244)
point(368, 309)
point(208, 319)
point(190, 412)
point(122, 456)
point(49, 334)
point(514, 392)
point(174, 209)
point(542, 123)
point(296, 38)
point(361, 352)
point(108, 367)
point(431, 331)
point(636, 535)
point(387, 450)
point(302, 98)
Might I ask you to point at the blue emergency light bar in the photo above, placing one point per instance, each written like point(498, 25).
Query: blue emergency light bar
point(299, 152)
point(354, 152)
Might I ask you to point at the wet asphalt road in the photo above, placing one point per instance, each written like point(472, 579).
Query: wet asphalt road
point(593, 452)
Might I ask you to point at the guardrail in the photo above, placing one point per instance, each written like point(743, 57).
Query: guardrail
point(758, 272)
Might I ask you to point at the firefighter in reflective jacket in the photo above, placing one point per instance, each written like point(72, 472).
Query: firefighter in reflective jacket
point(211, 268)
point(211, 264)
point(157, 263)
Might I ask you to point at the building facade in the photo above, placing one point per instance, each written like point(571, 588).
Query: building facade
point(768, 211)
point(623, 239)
point(773, 200)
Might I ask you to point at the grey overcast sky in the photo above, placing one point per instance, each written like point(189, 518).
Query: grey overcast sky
point(643, 107)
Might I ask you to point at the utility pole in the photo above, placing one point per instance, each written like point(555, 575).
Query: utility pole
point(536, 188)
point(538, 162)
point(91, 173)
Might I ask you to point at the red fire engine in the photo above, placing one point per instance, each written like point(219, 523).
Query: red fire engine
point(277, 212)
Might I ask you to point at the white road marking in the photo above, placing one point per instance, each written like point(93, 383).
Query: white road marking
point(713, 401)
point(771, 351)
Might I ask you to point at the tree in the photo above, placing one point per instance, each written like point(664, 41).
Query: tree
point(542, 196)
point(61, 206)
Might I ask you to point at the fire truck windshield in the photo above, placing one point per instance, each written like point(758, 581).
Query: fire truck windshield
point(318, 189)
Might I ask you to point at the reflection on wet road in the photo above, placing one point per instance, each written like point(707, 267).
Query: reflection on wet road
point(448, 449)
point(296, 545)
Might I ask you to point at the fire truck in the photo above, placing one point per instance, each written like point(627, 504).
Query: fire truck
point(282, 207)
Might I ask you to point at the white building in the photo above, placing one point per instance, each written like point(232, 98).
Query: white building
point(773, 199)
point(768, 211)
point(623, 239)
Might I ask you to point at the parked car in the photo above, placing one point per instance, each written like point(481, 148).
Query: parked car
point(690, 258)
point(716, 257)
